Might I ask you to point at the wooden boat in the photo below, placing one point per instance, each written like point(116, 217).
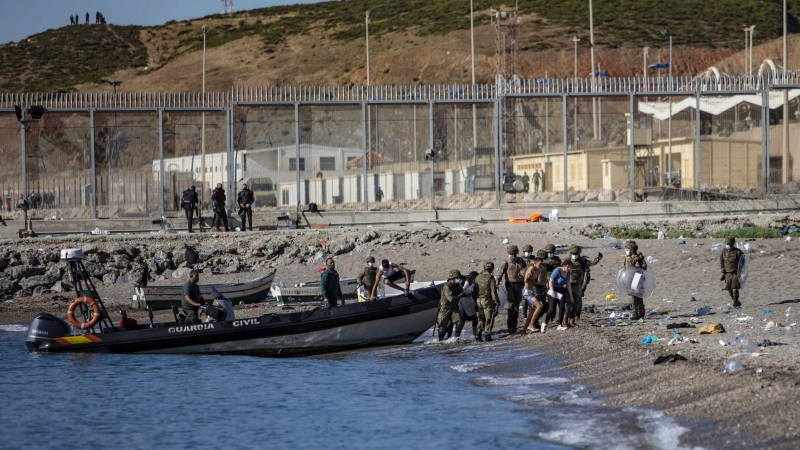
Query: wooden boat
point(163, 297)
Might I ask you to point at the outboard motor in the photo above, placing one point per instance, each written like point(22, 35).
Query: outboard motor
point(221, 307)
point(44, 327)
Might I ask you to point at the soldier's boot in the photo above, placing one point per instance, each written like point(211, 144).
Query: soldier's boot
point(489, 337)
point(636, 312)
point(478, 337)
point(640, 308)
point(736, 302)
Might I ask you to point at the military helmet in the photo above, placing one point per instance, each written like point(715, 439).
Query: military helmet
point(370, 259)
point(512, 249)
point(631, 244)
point(455, 273)
point(575, 249)
point(550, 248)
point(527, 248)
point(488, 265)
point(541, 254)
point(730, 240)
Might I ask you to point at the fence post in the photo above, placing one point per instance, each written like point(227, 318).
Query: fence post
point(430, 119)
point(765, 139)
point(161, 158)
point(699, 146)
point(498, 150)
point(632, 150)
point(24, 175)
point(297, 152)
point(566, 136)
point(94, 166)
point(364, 131)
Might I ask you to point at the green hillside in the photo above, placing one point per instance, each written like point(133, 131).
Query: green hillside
point(64, 58)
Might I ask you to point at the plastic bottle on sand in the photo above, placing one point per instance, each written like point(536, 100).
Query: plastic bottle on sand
point(733, 366)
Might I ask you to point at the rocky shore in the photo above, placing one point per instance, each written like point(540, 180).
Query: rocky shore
point(751, 408)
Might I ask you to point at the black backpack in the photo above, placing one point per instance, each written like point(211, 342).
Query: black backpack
point(192, 257)
point(186, 199)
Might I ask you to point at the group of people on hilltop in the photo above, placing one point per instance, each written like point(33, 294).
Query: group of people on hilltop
point(99, 18)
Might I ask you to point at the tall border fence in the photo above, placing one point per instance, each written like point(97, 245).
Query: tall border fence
point(404, 147)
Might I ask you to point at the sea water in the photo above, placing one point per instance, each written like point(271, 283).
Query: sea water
point(424, 395)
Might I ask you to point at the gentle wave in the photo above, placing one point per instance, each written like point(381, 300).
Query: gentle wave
point(469, 367)
point(14, 328)
point(529, 380)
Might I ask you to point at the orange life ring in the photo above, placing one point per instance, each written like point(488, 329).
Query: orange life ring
point(95, 313)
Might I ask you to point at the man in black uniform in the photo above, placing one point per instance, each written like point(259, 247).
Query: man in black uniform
point(192, 298)
point(218, 200)
point(189, 203)
point(245, 200)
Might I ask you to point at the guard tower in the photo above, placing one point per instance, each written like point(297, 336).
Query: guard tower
point(645, 162)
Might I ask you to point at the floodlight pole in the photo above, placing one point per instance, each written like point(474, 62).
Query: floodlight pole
point(474, 107)
point(785, 129)
point(203, 125)
point(594, 99)
point(24, 173)
point(369, 115)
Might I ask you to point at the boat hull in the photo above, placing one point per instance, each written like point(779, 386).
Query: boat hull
point(393, 320)
point(163, 297)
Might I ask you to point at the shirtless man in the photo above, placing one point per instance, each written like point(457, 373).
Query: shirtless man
point(390, 273)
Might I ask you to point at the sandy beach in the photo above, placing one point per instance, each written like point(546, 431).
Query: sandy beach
point(747, 409)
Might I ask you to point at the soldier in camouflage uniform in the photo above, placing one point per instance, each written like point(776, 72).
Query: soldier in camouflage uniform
point(485, 292)
point(634, 258)
point(541, 284)
point(368, 276)
point(448, 304)
point(528, 257)
point(512, 270)
point(729, 265)
point(578, 274)
point(587, 276)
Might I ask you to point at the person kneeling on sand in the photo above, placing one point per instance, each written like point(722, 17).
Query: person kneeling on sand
point(390, 273)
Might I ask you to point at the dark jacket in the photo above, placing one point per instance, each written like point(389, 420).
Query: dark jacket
point(218, 198)
point(245, 196)
point(189, 199)
point(329, 286)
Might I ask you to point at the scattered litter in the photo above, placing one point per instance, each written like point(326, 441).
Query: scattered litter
point(716, 247)
point(661, 235)
point(666, 318)
point(610, 297)
point(651, 260)
point(744, 318)
point(789, 238)
point(618, 245)
point(722, 343)
point(668, 359)
point(703, 311)
point(759, 370)
point(553, 216)
point(681, 242)
point(767, 310)
point(768, 343)
point(685, 252)
point(763, 252)
point(693, 299)
point(460, 229)
point(695, 320)
point(611, 308)
point(712, 328)
point(771, 324)
point(649, 339)
point(505, 241)
point(98, 231)
point(673, 326)
point(732, 366)
point(652, 312)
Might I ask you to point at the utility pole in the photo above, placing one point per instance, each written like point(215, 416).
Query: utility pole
point(785, 129)
point(203, 126)
point(474, 107)
point(369, 118)
point(594, 99)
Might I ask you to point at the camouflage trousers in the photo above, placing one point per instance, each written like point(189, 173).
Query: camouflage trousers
point(446, 319)
point(576, 306)
point(485, 315)
point(514, 295)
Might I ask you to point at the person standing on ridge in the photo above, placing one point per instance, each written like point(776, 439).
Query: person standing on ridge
point(87, 18)
point(512, 270)
point(729, 265)
point(634, 258)
point(245, 200)
point(485, 291)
